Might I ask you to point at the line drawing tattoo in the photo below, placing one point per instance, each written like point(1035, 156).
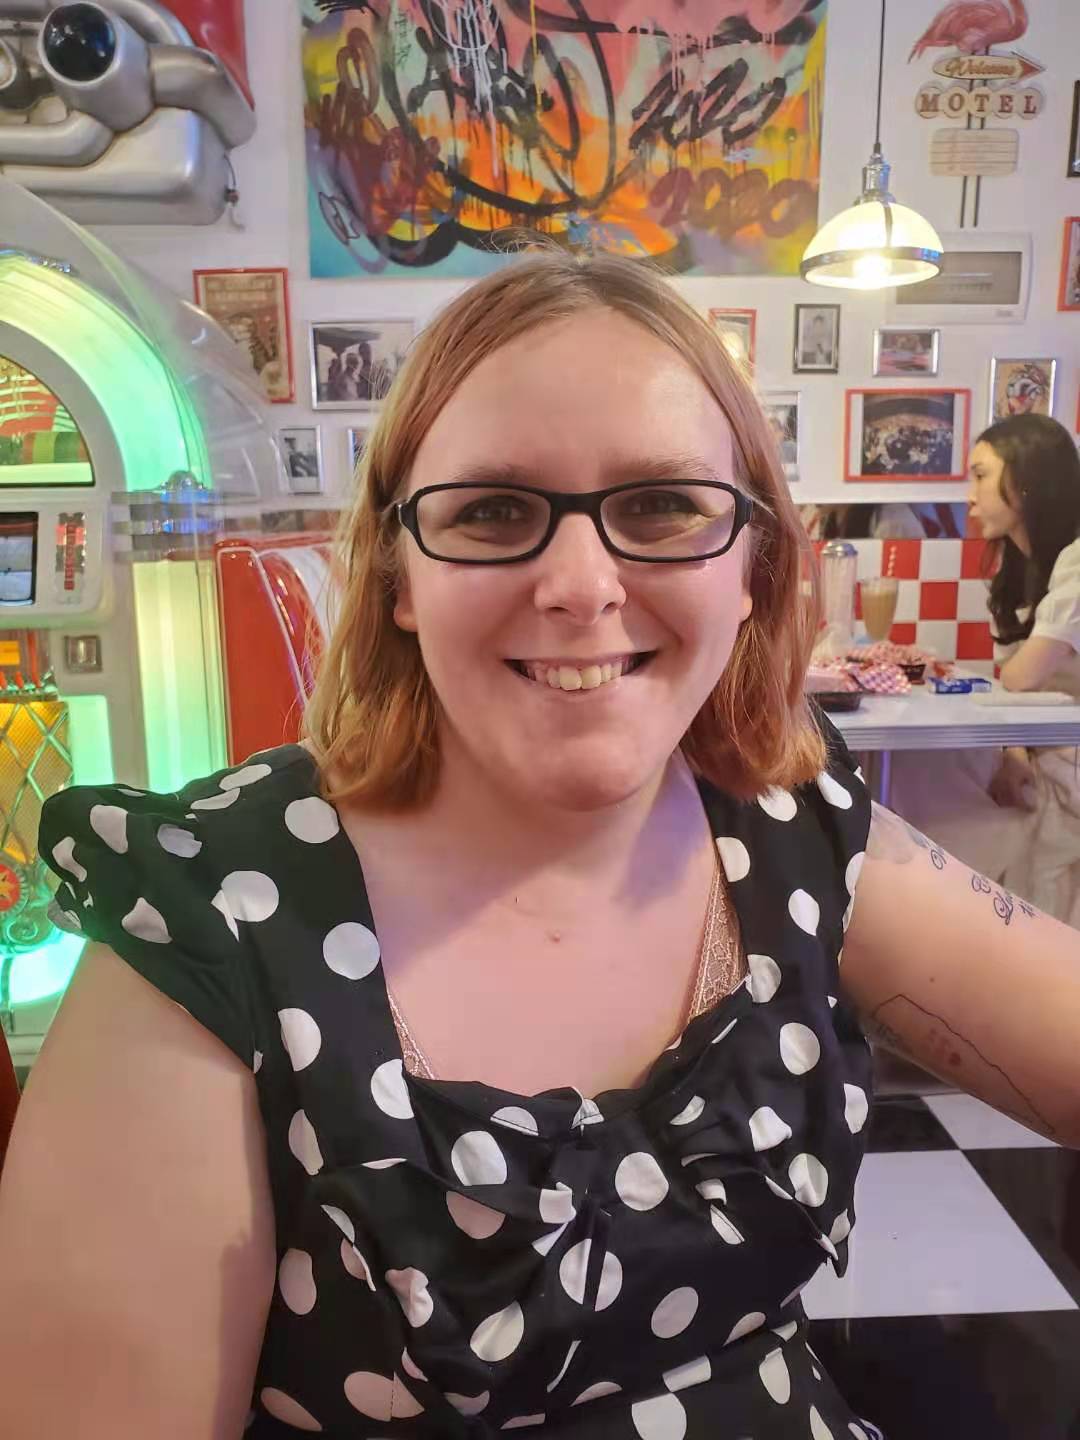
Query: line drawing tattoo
point(893, 839)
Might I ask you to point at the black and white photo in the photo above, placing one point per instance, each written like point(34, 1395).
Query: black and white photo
point(301, 456)
point(817, 339)
point(353, 363)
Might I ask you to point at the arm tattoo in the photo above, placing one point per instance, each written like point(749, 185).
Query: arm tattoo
point(894, 840)
point(1005, 905)
point(926, 1039)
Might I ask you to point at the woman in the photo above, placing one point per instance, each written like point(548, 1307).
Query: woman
point(564, 836)
point(1012, 814)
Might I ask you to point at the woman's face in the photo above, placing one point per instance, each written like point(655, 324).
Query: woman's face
point(987, 494)
point(577, 405)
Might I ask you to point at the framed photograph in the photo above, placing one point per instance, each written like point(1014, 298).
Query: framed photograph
point(782, 408)
point(985, 279)
point(252, 307)
point(738, 330)
point(907, 434)
point(354, 362)
point(817, 339)
point(357, 437)
point(1070, 266)
point(301, 455)
point(1073, 171)
point(906, 352)
point(1022, 387)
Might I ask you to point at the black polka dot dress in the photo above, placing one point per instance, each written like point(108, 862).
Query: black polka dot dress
point(455, 1260)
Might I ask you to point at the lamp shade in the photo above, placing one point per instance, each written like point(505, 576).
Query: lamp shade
point(874, 245)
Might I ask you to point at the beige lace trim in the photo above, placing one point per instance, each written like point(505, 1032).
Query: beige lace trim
point(722, 967)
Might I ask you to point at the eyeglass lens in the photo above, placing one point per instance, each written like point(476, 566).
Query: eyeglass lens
point(675, 521)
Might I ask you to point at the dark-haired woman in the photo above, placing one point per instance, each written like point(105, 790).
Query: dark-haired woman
point(1016, 815)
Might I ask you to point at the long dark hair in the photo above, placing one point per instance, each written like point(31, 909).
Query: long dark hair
point(1041, 481)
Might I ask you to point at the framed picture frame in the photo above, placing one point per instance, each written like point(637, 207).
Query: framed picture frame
point(1022, 387)
point(783, 410)
point(252, 307)
point(903, 353)
point(906, 434)
point(300, 448)
point(738, 330)
point(1073, 172)
point(1069, 297)
point(817, 340)
point(354, 362)
point(985, 279)
point(356, 439)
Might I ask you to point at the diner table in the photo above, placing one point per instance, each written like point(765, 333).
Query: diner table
point(924, 720)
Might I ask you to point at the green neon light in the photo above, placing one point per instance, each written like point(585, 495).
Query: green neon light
point(42, 973)
point(91, 742)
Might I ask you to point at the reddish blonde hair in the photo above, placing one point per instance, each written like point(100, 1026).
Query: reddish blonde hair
point(373, 718)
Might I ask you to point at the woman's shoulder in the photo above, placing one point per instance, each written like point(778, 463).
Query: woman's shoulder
point(1066, 571)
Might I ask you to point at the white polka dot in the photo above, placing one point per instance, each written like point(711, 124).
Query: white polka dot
point(409, 1365)
point(764, 978)
point(247, 776)
point(856, 1108)
point(296, 1281)
point(390, 1092)
point(547, 1243)
point(221, 904)
point(723, 1227)
point(854, 870)
point(351, 950)
point(477, 1160)
point(384, 1164)
point(411, 1288)
point(662, 1418)
point(64, 855)
point(146, 923)
point(847, 916)
point(284, 1408)
point(311, 820)
point(712, 1190)
point(470, 1404)
point(110, 823)
point(515, 1118)
point(341, 1220)
point(809, 1179)
point(746, 1326)
point(250, 895)
point(805, 911)
point(380, 1398)
point(301, 1037)
point(574, 1269)
point(827, 1245)
point(497, 1337)
point(780, 804)
point(640, 1182)
point(522, 1422)
point(776, 1377)
point(557, 1206)
point(832, 998)
point(256, 1065)
point(691, 1112)
point(685, 1377)
point(818, 1429)
point(598, 1391)
point(175, 840)
point(304, 1144)
point(726, 1031)
point(588, 1114)
point(476, 1220)
point(787, 1332)
point(356, 1265)
point(794, 1295)
point(565, 1365)
point(734, 857)
point(856, 1430)
point(834, 793)
point(136, 794)
point(800, 1049)
point(778, 1191)
point(675, 1313)
point(767, 1130)
point(841, 1228)
point(217, 802)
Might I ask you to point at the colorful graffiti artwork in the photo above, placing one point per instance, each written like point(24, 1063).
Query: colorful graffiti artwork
point(438, 130)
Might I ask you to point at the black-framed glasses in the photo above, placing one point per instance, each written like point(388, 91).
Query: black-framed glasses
point(665, 522)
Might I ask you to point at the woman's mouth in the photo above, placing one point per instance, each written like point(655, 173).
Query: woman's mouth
point(559, 674)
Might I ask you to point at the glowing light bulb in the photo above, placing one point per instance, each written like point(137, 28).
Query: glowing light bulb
point(872, 271)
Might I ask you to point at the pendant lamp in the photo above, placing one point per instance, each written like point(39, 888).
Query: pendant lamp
point(876, 244)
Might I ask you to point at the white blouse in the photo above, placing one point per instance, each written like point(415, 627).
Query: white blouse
point(1058, 618)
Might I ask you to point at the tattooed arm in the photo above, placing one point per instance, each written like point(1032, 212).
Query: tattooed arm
point(951, 971)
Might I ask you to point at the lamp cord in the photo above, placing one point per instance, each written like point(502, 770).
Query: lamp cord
point(880, 77)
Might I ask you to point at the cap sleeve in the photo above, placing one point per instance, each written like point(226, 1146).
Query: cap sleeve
point(136, 874)
point(1058, 614)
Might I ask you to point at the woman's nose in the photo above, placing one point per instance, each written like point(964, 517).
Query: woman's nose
point(579, 576)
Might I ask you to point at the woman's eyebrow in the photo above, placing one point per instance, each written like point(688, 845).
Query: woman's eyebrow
point(616, 472)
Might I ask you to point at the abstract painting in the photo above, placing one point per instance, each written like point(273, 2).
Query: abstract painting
point(442, 134)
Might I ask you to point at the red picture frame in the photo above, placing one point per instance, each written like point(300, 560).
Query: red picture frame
point(855, 412)
point(1069, 292)
point(717, 314)
point(252, 306)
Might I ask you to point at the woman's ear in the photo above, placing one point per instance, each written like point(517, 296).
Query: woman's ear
point(404, 614)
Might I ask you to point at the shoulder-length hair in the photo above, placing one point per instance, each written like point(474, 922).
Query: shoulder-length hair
point(1041, 481)
point(373, 719)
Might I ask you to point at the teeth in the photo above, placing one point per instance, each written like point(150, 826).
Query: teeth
point(591, 677)
point(569, 677)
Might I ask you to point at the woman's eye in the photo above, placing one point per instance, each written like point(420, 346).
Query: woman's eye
point(490, 512)
point(660, 502)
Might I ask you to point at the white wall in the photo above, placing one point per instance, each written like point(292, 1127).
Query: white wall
point(272, 184)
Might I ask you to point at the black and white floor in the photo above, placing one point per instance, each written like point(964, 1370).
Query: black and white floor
point(959, 1317)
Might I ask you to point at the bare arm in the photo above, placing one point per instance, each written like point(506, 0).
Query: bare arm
point(966, 980)
point(1034, 663)
point(136, 1233)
